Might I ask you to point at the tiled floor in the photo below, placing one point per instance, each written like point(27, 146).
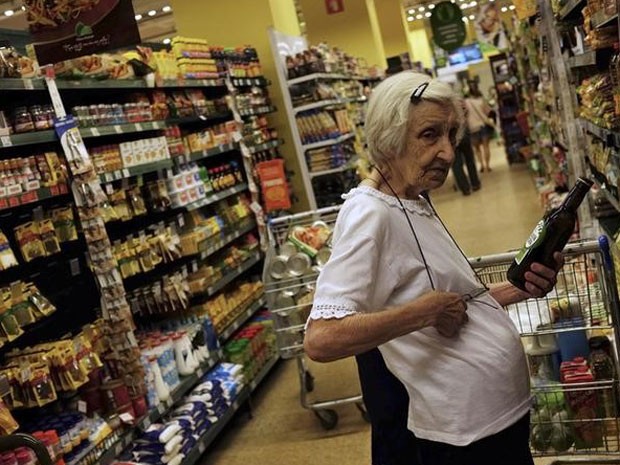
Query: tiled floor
point(497, 218)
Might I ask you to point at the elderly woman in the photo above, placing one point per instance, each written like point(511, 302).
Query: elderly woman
point(397, 280)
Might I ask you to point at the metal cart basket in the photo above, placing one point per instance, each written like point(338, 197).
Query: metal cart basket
point(574, 383)
point(290, 277)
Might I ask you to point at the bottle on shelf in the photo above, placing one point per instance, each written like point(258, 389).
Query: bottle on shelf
point(550, 235)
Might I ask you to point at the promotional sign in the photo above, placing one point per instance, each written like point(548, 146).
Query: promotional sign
point(489, 27)
point(334, 6)
point(273, 185)
point(62, 30)
point(447, 24)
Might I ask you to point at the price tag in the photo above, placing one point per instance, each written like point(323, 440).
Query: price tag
point(139, 127)
point(118, 449)
point(181, 220)
point(202, 447)
point(118, 129)
point(28, 84)
point(6, 141)
point(108, 189)
point(74, 266)
point(126, 173)
point(161, 408)
point(194, 266)
point(95, 132)
point(109, 177)
point(82, 406)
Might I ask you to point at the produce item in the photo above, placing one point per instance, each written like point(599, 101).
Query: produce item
point(310, 239)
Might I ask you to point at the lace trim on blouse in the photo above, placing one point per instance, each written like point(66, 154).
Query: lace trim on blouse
point(325, 310)
point(420, 206)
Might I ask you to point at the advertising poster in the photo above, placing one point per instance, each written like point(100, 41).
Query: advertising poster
point(66, 29)
point(489, 27)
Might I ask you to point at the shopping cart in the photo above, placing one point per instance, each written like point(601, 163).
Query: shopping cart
point(17, 440)
point(289, 278)
point(574, 412)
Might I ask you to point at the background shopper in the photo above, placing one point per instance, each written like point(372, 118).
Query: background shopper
point(480, 126)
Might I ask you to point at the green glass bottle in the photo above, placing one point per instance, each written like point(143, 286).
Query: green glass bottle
point(549, 236)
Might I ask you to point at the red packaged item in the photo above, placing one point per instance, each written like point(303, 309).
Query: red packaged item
point(583, 403)
point(273, 185)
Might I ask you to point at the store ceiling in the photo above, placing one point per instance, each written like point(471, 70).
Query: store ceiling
point(153, 28)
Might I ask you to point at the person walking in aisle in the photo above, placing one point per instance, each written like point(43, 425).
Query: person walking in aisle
point(480, 126)
point(464, 155)
point(397, 281)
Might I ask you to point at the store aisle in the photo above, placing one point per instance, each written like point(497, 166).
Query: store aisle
point(496, 218)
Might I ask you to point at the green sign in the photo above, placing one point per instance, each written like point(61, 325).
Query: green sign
point(447, 25)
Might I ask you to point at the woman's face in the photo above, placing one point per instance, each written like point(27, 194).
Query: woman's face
point(430, 147)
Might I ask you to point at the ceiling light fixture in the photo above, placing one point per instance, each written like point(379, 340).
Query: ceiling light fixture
point(166, 41)
point(428, 14)
point(421, 8)
point(410, 18)
point(419, 17)
point(473, 4)
point(167, 9)
point(431, 6)
point(411, 11)
point(464, 18)
point(511, 7)
point(9, 13)
point(472, 17)
point(504, 9)
point(152, 12)
point(464, 6)
point(23, 8)
point(138, 17)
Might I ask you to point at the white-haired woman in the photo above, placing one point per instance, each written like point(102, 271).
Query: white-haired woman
point(396, 280)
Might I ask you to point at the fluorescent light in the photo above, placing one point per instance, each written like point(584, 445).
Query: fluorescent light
point(472, 17)
point(504, 9)
point(411, 11)
point(138, 17)
point(410, 18)
point(464, 5)
point(428, 14)
point(421, 8)
point(511, 7)
point(472, 4)
point(464, 18)
point(152, 12)
point(9, 13)
point(167, 9)
point(166, 40)
point(419, 17)
point(431, 6)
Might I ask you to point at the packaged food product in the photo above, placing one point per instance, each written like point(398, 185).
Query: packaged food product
point(48, 237)
point(29, 240)
point(7, 257)
point(64, 224)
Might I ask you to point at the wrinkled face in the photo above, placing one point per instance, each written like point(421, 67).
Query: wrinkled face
point(430, 147)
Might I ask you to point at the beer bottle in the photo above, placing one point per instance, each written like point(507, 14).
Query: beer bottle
point(550, 235)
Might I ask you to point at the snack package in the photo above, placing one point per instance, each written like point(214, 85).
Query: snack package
point(48, 237)
point(7, 422)
point(7, 257)
point(30, 242)
point(64, 224)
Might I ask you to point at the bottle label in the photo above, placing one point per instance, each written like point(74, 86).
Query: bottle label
point(537, 236)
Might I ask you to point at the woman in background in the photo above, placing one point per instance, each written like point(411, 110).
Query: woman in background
point(478, 123)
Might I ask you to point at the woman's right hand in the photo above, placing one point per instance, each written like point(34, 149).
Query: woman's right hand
point(447, 311)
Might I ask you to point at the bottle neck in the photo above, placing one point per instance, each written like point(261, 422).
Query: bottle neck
point(576, 195)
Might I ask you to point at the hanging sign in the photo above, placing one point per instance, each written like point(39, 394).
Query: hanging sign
point(447, 26)
point(62, 30)
point(489, 27)
point(334, 6)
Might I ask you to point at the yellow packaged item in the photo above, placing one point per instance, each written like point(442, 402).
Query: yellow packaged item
point(29, 240)
point(64, 224)
point(48, 237)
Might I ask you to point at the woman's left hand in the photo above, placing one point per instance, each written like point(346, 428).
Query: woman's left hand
point(540, 280)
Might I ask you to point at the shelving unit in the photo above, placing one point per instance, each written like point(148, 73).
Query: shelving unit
point(67, 280)
point(328, 174)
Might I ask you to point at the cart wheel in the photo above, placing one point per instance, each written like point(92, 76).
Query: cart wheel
point(364, 412)
point(328, 418)
point(308, 381)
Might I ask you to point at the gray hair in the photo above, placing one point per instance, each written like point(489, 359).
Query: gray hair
point(389, 112)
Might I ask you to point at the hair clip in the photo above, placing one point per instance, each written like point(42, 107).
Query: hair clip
point(416, 95)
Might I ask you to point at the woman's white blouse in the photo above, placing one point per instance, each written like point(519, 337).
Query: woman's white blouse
point(460, 389)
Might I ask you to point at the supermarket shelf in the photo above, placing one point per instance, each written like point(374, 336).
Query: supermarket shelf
point(604, 134)
point(33, 196)
point(241, 319)
point(258, 111)
point(321, 104)
point(77, 84)
point(350, 165)
point(570, 7)
point(327, 143)
point(224, 241)
point(216, 197)
point(315, 76)
point(585, 59)
point(205, 441)
point(230, 277)
point(29, 138)
point(136, 170)
point(601, 182)
point(194, 156)
point(600, 19)
point(272, 144)
point(122, 129)
point(367, 78)
point(259, 81)
point(193, 83)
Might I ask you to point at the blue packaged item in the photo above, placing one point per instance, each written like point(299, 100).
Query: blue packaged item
point(211, 339)
point(572, 343)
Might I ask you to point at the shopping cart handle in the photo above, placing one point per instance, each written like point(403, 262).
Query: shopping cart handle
point(17, 440)
point(603, 242)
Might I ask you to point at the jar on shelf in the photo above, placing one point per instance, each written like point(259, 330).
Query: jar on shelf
point(39, 118)
point(22, 120)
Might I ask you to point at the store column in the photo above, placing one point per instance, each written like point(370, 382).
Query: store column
point(355, 29)
point(245, 22)
point(393, 26)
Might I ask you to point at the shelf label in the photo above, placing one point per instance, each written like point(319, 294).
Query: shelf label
point(95, 132)
point(139, 127)
point(82, 406)
point(118, 129)
point(28, 84)
point(126, 173)
point(6, 141)
point(118, 449)
point(146, 423)
point(201, 447)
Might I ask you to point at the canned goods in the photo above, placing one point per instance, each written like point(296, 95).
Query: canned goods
point(293, 286)
point(278, 267)
point(298, 264)
point(287, 249)
point(322, 256)
point(285, 301)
